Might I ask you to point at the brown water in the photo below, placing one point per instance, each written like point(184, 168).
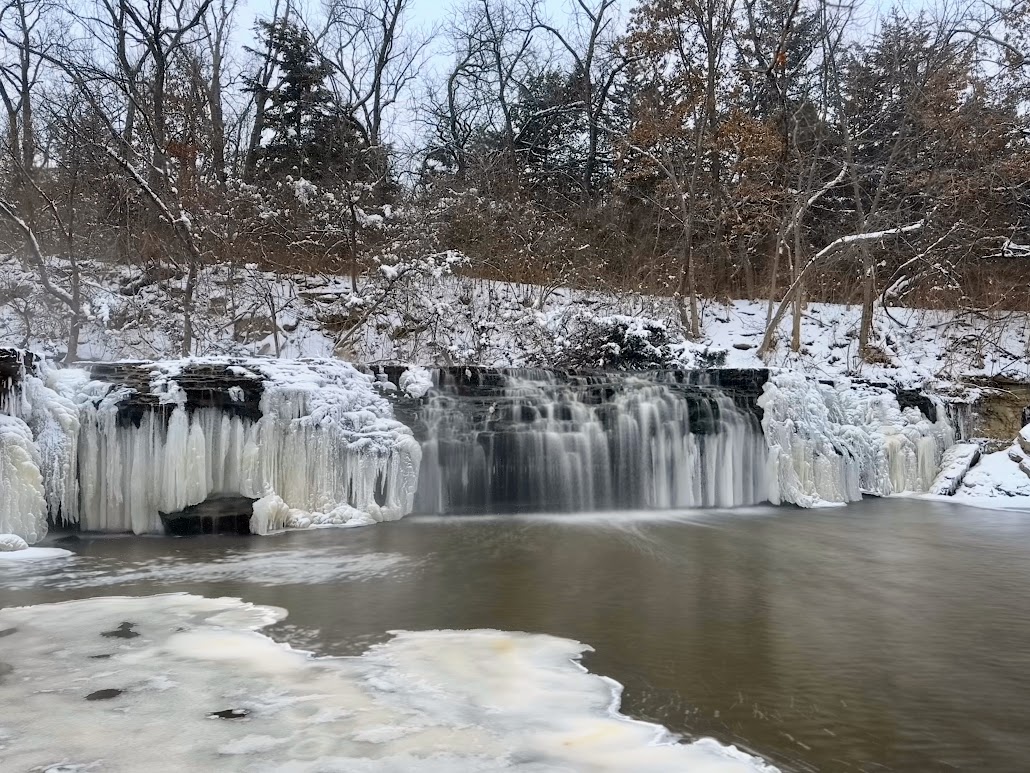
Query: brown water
point(888, 635)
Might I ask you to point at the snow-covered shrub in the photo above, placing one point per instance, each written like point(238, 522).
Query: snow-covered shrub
point(615, 343)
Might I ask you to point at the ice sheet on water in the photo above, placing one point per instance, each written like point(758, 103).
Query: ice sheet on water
point(454, 701)
point(280, 566)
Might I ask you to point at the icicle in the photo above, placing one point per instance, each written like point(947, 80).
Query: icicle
point(833, 444)
point(22, 504)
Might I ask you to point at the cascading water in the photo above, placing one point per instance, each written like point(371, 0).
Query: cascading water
point(125, 446)
point(525, 440)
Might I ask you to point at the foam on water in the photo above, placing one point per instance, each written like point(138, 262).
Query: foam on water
point(127, 684)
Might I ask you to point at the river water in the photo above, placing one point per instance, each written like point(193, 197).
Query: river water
point(892, 634)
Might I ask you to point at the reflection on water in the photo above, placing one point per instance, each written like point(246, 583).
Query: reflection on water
point(889, 635)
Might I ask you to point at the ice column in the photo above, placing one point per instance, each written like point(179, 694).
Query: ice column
point(22, 504)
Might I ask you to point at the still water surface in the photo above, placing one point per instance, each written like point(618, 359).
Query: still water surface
point(889, 635)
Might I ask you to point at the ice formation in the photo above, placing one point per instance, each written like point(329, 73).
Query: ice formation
point(831, 444)
point(22, 502)
point(955, 464)
point(322, 447)
point(445, 701)
point(325, 450)
point(11, 542)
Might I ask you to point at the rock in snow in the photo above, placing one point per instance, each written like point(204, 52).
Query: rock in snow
point(956, 463)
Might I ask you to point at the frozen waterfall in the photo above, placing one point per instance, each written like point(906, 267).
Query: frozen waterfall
point(120, 445)
point(830, 444)
point(322, 449)
point(521, 440)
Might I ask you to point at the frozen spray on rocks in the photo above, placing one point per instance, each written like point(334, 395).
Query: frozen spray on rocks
point(317, 442)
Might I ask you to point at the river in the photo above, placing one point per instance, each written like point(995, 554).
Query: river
point(892, 634)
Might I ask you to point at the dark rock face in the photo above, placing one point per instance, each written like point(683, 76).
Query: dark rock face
point(206, 385)
point(14, 362)
point(218, 515)
point(913, 398)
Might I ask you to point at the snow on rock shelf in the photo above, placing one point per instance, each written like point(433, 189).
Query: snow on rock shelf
point(830, 444)
point(454, 701)
point(1000, 480)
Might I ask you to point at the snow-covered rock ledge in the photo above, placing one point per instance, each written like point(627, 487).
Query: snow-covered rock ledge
point(996, 481)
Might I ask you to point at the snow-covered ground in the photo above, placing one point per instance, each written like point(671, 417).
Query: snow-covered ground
point(427, 314)
point(190, 668)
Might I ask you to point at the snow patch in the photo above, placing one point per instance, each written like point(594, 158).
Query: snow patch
point(11, 542)
point(33, 554)
point(416, 381)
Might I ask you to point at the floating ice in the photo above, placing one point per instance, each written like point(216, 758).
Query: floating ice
point(830, 445)
point(200, 689)
point(266, 567)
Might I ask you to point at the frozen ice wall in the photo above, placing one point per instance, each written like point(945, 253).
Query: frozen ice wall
point(325, 450)
point(832, 443)
point(22, 506)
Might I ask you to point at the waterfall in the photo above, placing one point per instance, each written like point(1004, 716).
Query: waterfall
point(533, 440)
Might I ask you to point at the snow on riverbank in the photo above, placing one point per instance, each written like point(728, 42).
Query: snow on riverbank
point(433, 318)
point(162, 669)
point(1000, 480)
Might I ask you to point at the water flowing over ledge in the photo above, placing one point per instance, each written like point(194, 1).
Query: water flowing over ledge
point(125, 446)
